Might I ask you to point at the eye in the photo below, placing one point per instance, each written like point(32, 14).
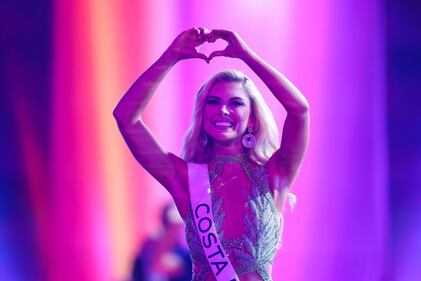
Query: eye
point(237, 103)
point(210, 101)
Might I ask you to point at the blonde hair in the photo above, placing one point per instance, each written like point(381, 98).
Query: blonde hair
point(265, 129)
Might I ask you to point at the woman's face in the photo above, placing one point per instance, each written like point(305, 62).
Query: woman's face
point(227, 112)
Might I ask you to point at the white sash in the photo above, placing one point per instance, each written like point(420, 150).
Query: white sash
point(199, 187)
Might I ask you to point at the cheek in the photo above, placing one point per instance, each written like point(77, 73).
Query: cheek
point(206, 114)
point(245, 114)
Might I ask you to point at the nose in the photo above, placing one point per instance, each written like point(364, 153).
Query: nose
point(224, 109)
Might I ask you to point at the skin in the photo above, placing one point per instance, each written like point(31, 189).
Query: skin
point(227, 102)
point(169, 169)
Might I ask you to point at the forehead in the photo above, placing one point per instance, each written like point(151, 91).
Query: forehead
point(228, 90)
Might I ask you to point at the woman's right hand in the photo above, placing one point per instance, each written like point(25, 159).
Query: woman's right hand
point(185, 46)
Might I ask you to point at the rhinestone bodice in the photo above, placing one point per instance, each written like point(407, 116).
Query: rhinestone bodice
point(258, 241)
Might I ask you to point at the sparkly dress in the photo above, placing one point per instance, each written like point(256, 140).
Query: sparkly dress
point(251, 237)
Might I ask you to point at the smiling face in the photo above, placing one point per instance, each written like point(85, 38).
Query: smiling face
point(227, 113)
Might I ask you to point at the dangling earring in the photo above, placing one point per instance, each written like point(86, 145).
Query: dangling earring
point(249, 140)
point(205, 140)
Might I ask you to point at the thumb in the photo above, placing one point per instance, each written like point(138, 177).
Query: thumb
point(216, 54)
point(201, 56)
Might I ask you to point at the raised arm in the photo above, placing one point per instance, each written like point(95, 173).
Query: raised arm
point(128, 113)
point(285, 163)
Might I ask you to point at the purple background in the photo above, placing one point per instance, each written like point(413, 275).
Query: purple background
point(359, 211)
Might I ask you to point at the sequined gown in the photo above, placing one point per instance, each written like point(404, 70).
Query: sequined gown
point(246, 219)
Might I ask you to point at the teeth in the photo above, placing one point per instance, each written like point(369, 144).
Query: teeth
point(223, 124)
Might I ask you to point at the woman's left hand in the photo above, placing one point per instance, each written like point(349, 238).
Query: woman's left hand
point(236, 48)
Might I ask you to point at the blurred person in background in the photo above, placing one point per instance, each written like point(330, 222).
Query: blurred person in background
point(164, 255)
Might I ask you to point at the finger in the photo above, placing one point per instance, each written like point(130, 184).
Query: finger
point(193, 32)
point(216, 54)
point(200, 56)
point(220, 33)
point(200, 34)
point(203, 30)
point(204, 33)
point(213, 36)
point(197, 33)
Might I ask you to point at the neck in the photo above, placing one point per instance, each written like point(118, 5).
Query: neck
point(228, 149)
point(229, 154)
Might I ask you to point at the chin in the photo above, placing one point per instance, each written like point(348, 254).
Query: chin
point(224, 138)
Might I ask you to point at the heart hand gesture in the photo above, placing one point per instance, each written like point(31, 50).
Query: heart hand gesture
point(186, 45)
point(236, 48)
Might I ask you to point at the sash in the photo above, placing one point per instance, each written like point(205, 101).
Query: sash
point(199, 187)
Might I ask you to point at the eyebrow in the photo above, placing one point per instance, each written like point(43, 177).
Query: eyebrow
point(218, 98)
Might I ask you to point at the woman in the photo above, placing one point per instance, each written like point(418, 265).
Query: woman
point(234, 134)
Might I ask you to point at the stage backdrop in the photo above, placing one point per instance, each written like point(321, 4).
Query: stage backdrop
point(100, 204)
point(104, 203)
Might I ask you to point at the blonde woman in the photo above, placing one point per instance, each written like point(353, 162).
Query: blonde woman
point(234, 136)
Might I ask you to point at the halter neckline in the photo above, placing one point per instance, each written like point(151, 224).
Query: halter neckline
point(234, 158)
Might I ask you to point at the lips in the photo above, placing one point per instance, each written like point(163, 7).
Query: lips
point(223, 124)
